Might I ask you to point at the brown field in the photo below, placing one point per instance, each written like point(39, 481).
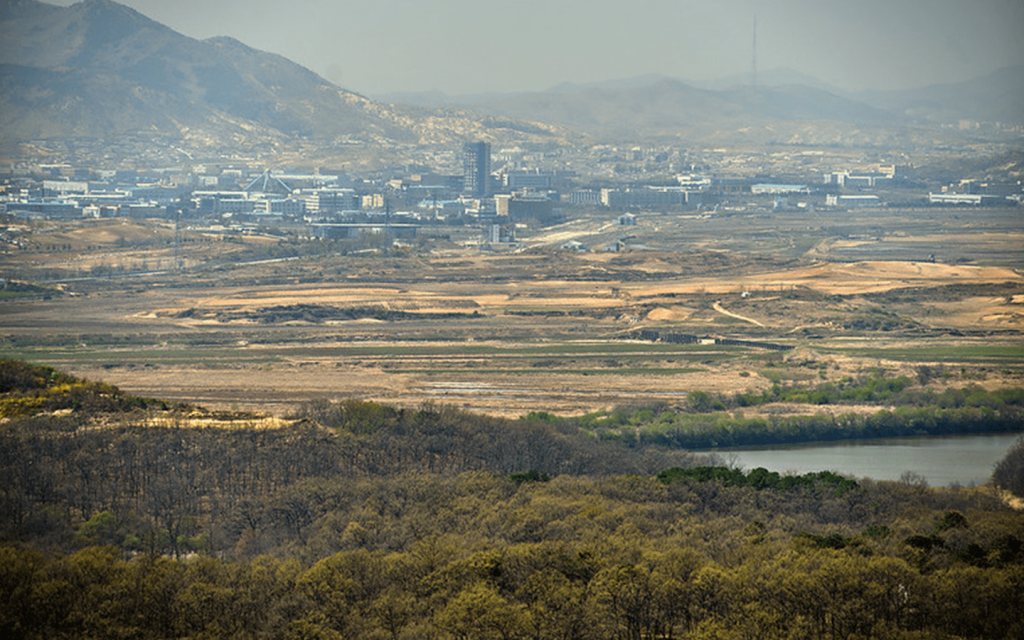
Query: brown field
point(504, 333)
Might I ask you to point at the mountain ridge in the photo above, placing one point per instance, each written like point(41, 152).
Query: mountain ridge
point(667, 105)
point(997, 97)
point(99, 69)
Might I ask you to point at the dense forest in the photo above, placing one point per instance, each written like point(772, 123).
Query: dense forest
point(123, 517)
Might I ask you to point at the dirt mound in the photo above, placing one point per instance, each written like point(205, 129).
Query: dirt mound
point(669, 314)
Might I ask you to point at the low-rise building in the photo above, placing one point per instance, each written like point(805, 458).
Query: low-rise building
point(526, 206)
point(648, 197)
point(350, 231)
point(852, 201)
point(768, 188)
point(45, 208)
point(65, 187)
point(282, 206)
point(528, 180)
point(974, 199)
point(585, 197)
point(330, 200)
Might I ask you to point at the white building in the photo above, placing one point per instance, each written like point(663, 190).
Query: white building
point(852, 202)
point(778, 189)
point(976, 199)
point(528, 180)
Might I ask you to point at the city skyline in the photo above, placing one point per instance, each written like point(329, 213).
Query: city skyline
point(459, 46)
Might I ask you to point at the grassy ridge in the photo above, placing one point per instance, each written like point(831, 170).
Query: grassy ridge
point(27, 390)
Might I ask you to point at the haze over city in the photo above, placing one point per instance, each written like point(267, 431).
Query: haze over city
point(468, 46)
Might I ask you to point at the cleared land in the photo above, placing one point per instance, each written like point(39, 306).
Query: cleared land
point(256, 323)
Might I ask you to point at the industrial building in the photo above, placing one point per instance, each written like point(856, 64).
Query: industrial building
point(649, 197)
point(526, 206)
point(852, 202)
point(778, 189)
point(975, 199)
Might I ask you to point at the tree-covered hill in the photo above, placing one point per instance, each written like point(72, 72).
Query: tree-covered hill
point(139, 519)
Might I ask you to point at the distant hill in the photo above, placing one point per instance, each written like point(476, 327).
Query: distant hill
point(100, 69)
point(659, 106)
point(655, 105)
point(777, 77)
point(997, 97)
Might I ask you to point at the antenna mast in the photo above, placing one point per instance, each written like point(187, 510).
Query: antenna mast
point(753, 63)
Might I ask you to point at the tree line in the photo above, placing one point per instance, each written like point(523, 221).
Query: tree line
point(708, 421)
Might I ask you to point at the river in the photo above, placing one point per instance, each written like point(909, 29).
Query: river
point(942, 460)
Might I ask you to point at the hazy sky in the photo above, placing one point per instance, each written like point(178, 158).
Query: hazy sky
point(466, 46)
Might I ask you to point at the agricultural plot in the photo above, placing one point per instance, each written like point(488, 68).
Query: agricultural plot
point(265, 324)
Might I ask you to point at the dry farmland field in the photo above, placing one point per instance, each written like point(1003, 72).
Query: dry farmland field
point(262, 323)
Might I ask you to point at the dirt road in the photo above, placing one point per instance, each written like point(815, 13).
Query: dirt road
point(717, 306)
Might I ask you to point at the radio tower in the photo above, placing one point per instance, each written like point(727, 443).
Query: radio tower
point(753, 62)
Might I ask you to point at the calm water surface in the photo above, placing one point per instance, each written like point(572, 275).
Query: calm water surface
point(943, 460)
